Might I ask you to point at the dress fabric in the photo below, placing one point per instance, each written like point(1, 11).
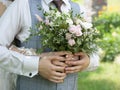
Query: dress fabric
point(7, 80)
point(37, 82)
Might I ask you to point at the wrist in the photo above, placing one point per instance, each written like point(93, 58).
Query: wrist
point(39, 64)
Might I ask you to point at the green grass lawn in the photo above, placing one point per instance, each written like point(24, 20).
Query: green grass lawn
point(106, 77)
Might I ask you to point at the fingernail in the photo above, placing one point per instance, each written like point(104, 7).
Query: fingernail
point(66, 68)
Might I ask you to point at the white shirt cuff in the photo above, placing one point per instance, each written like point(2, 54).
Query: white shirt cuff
point(30, 66)
point(94, 62)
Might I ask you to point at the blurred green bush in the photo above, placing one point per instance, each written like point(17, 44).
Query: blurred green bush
point(109, 26)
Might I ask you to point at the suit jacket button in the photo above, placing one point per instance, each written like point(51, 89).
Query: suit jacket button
point(30, 74)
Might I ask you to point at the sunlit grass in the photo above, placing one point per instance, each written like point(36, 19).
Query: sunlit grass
point(113, 5)
point(79, 1)
point(106, 77)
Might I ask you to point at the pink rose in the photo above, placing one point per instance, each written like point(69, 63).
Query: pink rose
point(38, 17)
point(78, 30)
point(71, 42)
point(40, 27)
point(47, 22)
point(75, 30)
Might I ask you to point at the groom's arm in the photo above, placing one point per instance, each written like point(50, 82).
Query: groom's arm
point(94, 57)
point(94, 62)
point(83, 62)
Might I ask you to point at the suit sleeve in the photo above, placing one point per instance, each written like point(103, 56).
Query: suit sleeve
point(94, 58)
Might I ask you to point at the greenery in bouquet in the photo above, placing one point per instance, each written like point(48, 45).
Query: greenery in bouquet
point(66, 32)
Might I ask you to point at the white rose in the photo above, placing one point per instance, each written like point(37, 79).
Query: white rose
point(86, 25)
point(58, 14)
point(77, 21)
point(69, 21)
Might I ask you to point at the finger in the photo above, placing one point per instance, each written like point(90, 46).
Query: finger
point(79, 53)
point(59, 63)
point(58, 78)
point(69, 56)
point(74, 68)
point(59, 74)
point(72, 57)
point(59, 58)
point(56, 81)
point(63, 53)
point(75, 62)
point(59, 69)
point(38, 17)
point(70, 72)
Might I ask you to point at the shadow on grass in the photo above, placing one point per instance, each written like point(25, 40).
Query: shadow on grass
point(86, 74)
point(106, 77)
point(97, 85)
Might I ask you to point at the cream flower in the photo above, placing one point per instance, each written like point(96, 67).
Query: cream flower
point(71, 42)
point(68, 36)
point(47, 22)
point(69, 21)
point(86, 25)
point(78, 30)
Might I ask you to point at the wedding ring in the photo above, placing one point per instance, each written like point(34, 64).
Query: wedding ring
point(72, 58)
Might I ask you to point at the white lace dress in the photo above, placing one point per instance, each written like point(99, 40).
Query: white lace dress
point(5, 77)
point(7, 80)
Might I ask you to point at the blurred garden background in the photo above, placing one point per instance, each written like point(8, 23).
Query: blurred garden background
point(106, 17)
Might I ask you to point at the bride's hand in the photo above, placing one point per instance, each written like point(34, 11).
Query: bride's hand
point(78, 62)
point(61, 54)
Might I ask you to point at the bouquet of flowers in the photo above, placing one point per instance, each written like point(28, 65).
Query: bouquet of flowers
point(66, 32)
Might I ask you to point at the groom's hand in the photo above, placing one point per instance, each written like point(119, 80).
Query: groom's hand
point(48, 70)
point(78, 62)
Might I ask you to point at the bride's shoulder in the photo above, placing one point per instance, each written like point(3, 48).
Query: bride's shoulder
point(20, 2)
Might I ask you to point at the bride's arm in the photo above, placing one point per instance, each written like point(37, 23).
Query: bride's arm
point(10, 26)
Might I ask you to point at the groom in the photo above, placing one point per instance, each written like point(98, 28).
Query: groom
point(45, 71)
